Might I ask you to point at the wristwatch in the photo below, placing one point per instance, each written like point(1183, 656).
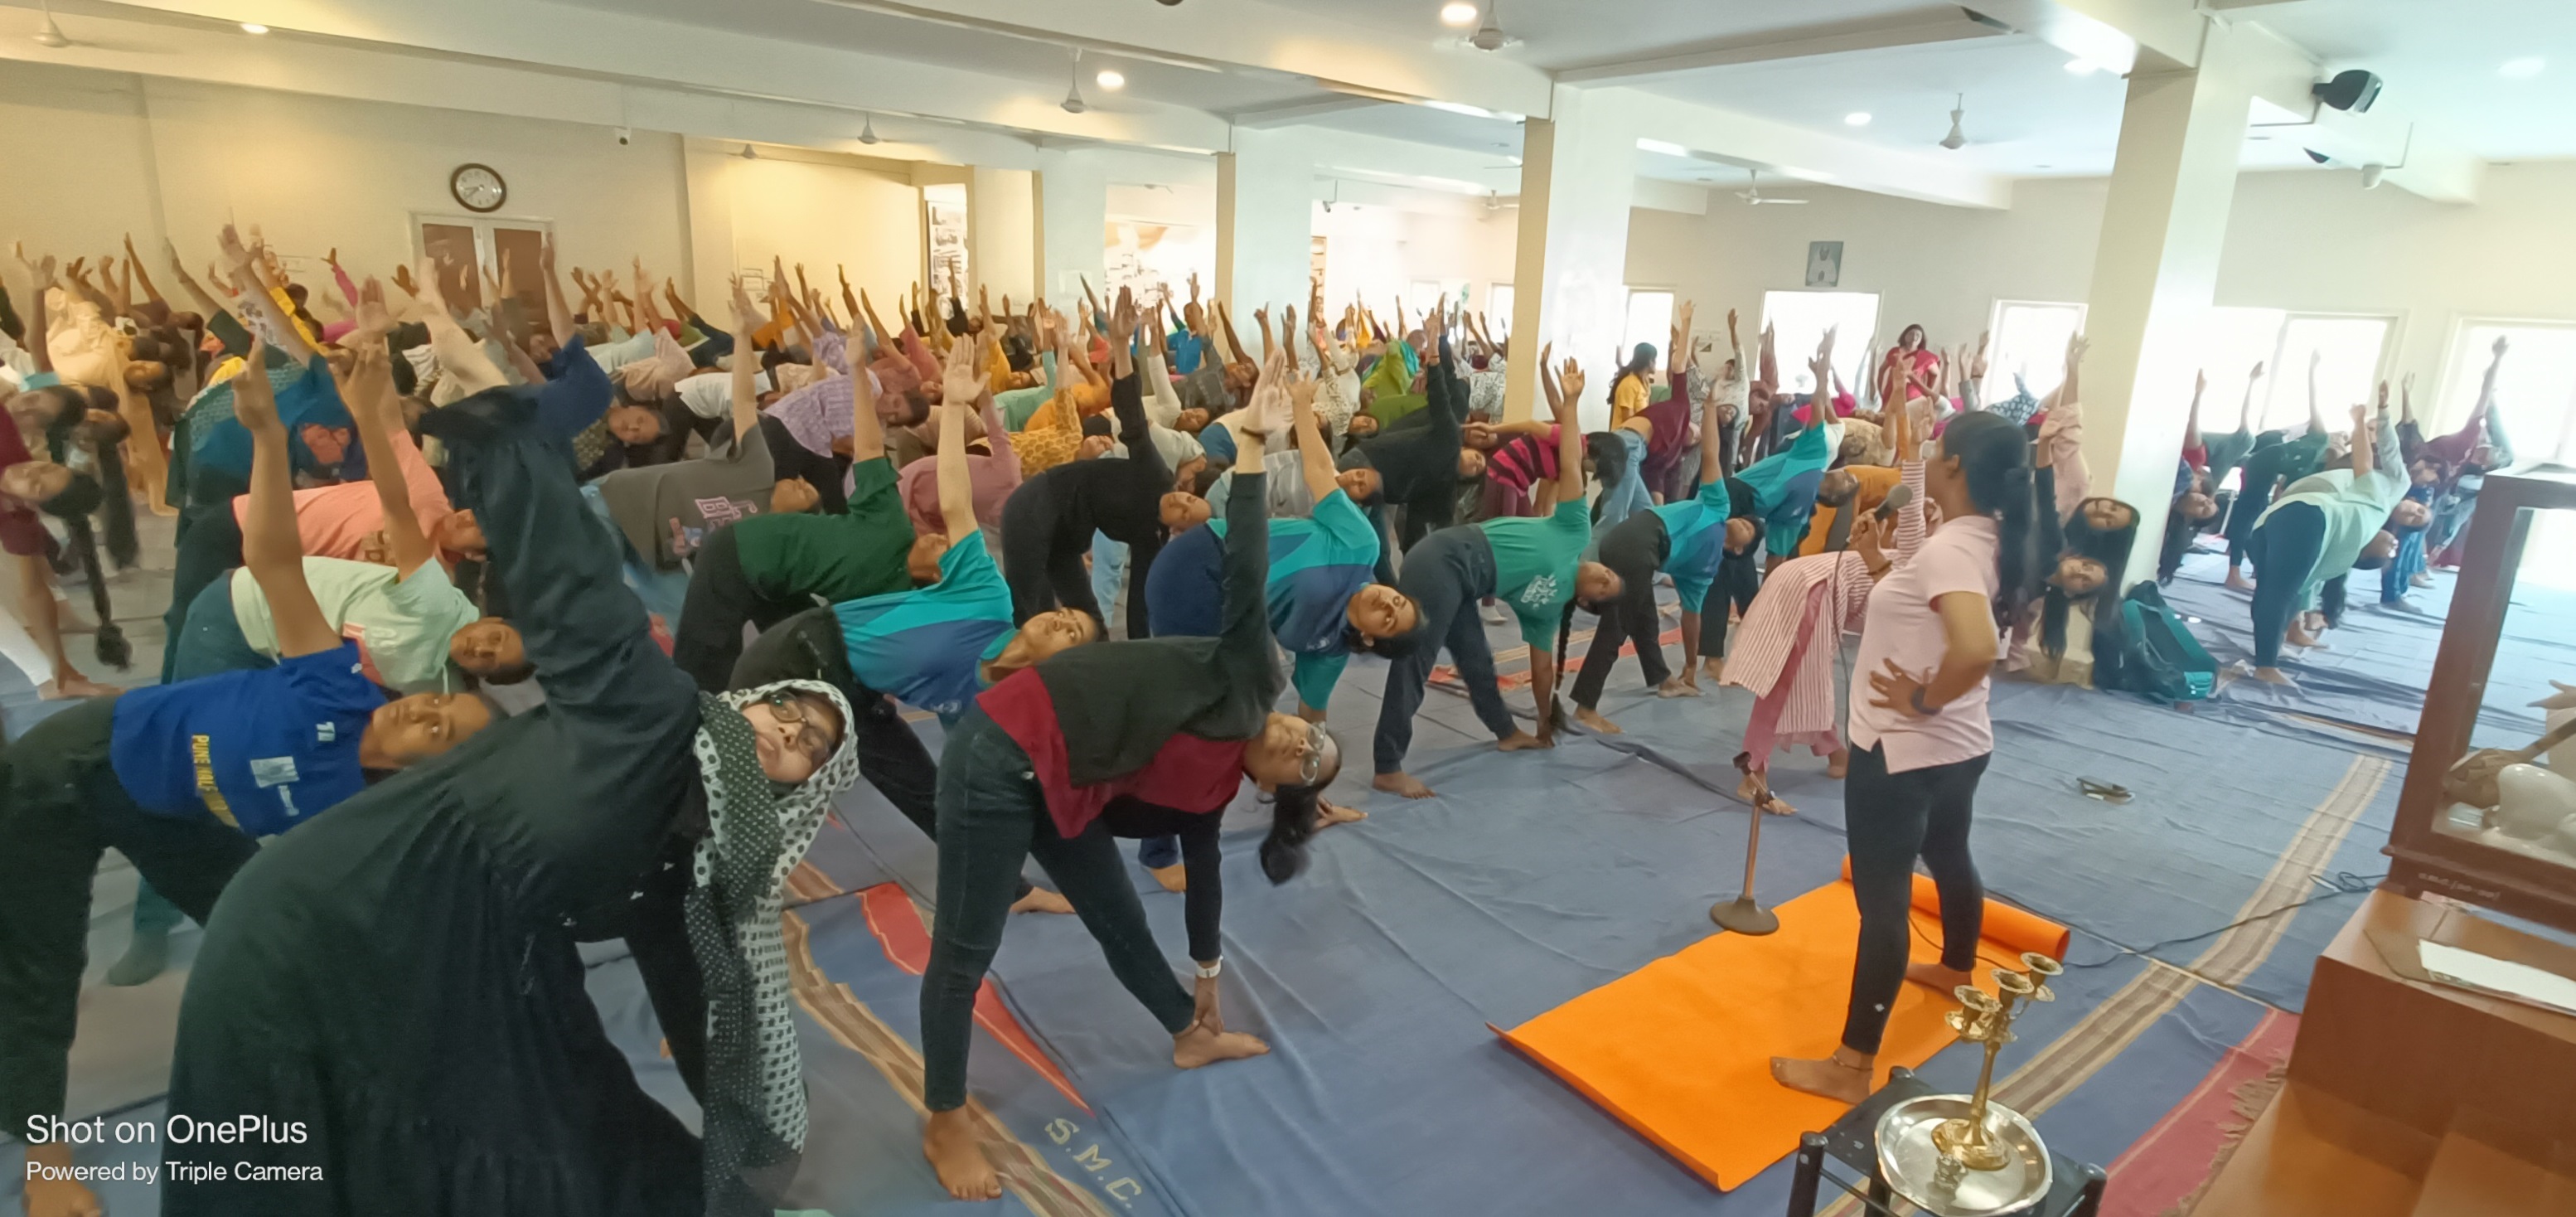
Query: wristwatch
point(1919, 707)
point(1209, 971)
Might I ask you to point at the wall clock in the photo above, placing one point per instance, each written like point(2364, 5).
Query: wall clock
point(479, 188)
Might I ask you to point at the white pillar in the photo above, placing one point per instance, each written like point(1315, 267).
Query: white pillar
point(2155, 276)
point(1265, 192)
point(1578, 179)
point(1002, 232)
point(1073, 223)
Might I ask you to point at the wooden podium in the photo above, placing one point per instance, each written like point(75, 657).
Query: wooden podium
point(2408, 1098)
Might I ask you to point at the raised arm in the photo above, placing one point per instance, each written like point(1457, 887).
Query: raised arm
point(2316, 409)
point(375, 409)
point(252, 278)
point(558, 310)
point(272, 550)
point(1712, 435)
point(1244, 630)
point(1314, 460)
point(962, 386)
point(1569, 433)
point(2363, 460)
point(2191, 422)
point(134, 267)
point(43, 274)
point(746, 391)
point(458, 355)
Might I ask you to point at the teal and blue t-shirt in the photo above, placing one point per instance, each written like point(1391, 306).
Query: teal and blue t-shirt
point(1696, 527)
point(1534, 563)
point(1316, 566)
point(262, 750)
point(927, 647)
point(1784, 484)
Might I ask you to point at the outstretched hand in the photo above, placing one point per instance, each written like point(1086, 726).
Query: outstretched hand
point(961, 380)
point(254, 401)
point(1572, 380)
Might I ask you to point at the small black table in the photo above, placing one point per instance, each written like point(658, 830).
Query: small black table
point(2074, 1188)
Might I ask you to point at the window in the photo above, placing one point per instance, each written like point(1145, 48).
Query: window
point(1498, 310)
point(1798, 321)
point(2347, 351)
point(2030, 342)
point(2233, 340)
point(1650, 320)
point(2535, 396)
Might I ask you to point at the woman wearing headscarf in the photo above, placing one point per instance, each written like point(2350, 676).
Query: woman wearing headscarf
point(1177, 724)
point(403, 977)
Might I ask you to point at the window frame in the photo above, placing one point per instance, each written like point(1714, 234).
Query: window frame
point(1997, 374)
point(1851, 349)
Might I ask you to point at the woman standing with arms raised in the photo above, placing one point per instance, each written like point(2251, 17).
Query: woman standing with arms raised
point(1920, 736)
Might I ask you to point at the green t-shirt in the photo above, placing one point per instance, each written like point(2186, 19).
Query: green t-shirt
point(844, 557)
point(1534, 563)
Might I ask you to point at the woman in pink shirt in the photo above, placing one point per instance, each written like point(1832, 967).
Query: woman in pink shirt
point(1920, 737)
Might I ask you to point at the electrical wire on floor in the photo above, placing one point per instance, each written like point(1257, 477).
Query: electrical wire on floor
point(2340, 883)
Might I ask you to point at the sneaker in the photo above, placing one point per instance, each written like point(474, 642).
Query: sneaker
point(1494, 615)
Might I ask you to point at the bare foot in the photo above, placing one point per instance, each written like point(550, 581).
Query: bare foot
point(1327, 815)
point(1679, 686)
point(1838, 766)
point(1592, 719)
point(2420, 579)
point(1843, 1077)
point(1401, 783)
point(1040, 900)
point(1777, 806)
point(1519, 740)
point(948, 1140)
point(1939, 978)
point(2272, 676)
point(1174, 878)
point(1714, 667)
point(63, 688)
point(2236, 579)
point(1201, 1045)
point(1749, 790)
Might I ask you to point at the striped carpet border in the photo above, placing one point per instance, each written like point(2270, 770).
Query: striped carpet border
point(1024, 1171)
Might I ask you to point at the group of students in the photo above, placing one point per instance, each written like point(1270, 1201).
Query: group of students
point(506, 624)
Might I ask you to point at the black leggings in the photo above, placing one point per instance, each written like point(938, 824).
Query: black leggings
point(1739, 578)
point(992, 818)
point(720, 601)
point(1636, 549)
point(1894, 819)
point(61, 806)
point(1042, 561)
point(1445, 576)
point(2285, 548)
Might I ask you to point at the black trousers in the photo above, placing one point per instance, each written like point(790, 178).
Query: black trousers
point(60, 807)
point(1445, 576)
point(1894, 819)
point(1042, 561)
point(721, 600)
point(1636, 548)
point(1739, 577)
point(992, 819)
point(794, 460)
point(2285, 550)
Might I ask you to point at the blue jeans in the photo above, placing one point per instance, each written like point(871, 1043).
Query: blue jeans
point(1631, 494)
point(1108, 573)
point(211, 641)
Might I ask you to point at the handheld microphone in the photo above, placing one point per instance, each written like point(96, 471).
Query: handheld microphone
point(1895, 502)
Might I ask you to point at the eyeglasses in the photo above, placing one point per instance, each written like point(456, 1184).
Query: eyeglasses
point(1311, 766)
point(811, 738)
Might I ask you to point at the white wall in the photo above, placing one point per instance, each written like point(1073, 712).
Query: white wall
point(825, 212)
point(1379, 251)
point(2312, 241)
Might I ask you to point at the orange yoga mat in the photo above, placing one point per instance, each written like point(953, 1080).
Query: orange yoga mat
point(1680, 1050)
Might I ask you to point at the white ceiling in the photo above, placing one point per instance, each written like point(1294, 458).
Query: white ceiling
point(1557, 34)
point(2440, 57)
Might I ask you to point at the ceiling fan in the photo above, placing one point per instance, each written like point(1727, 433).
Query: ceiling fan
point(1490, 35)
point(1753, 195)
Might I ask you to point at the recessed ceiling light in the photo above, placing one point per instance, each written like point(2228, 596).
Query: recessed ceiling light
point(253, 27)
point(1857, 118)
point(2082, 67)
point(1664, 147)
point(1111, 78)
point(2522, 69)
point(1458, 12)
